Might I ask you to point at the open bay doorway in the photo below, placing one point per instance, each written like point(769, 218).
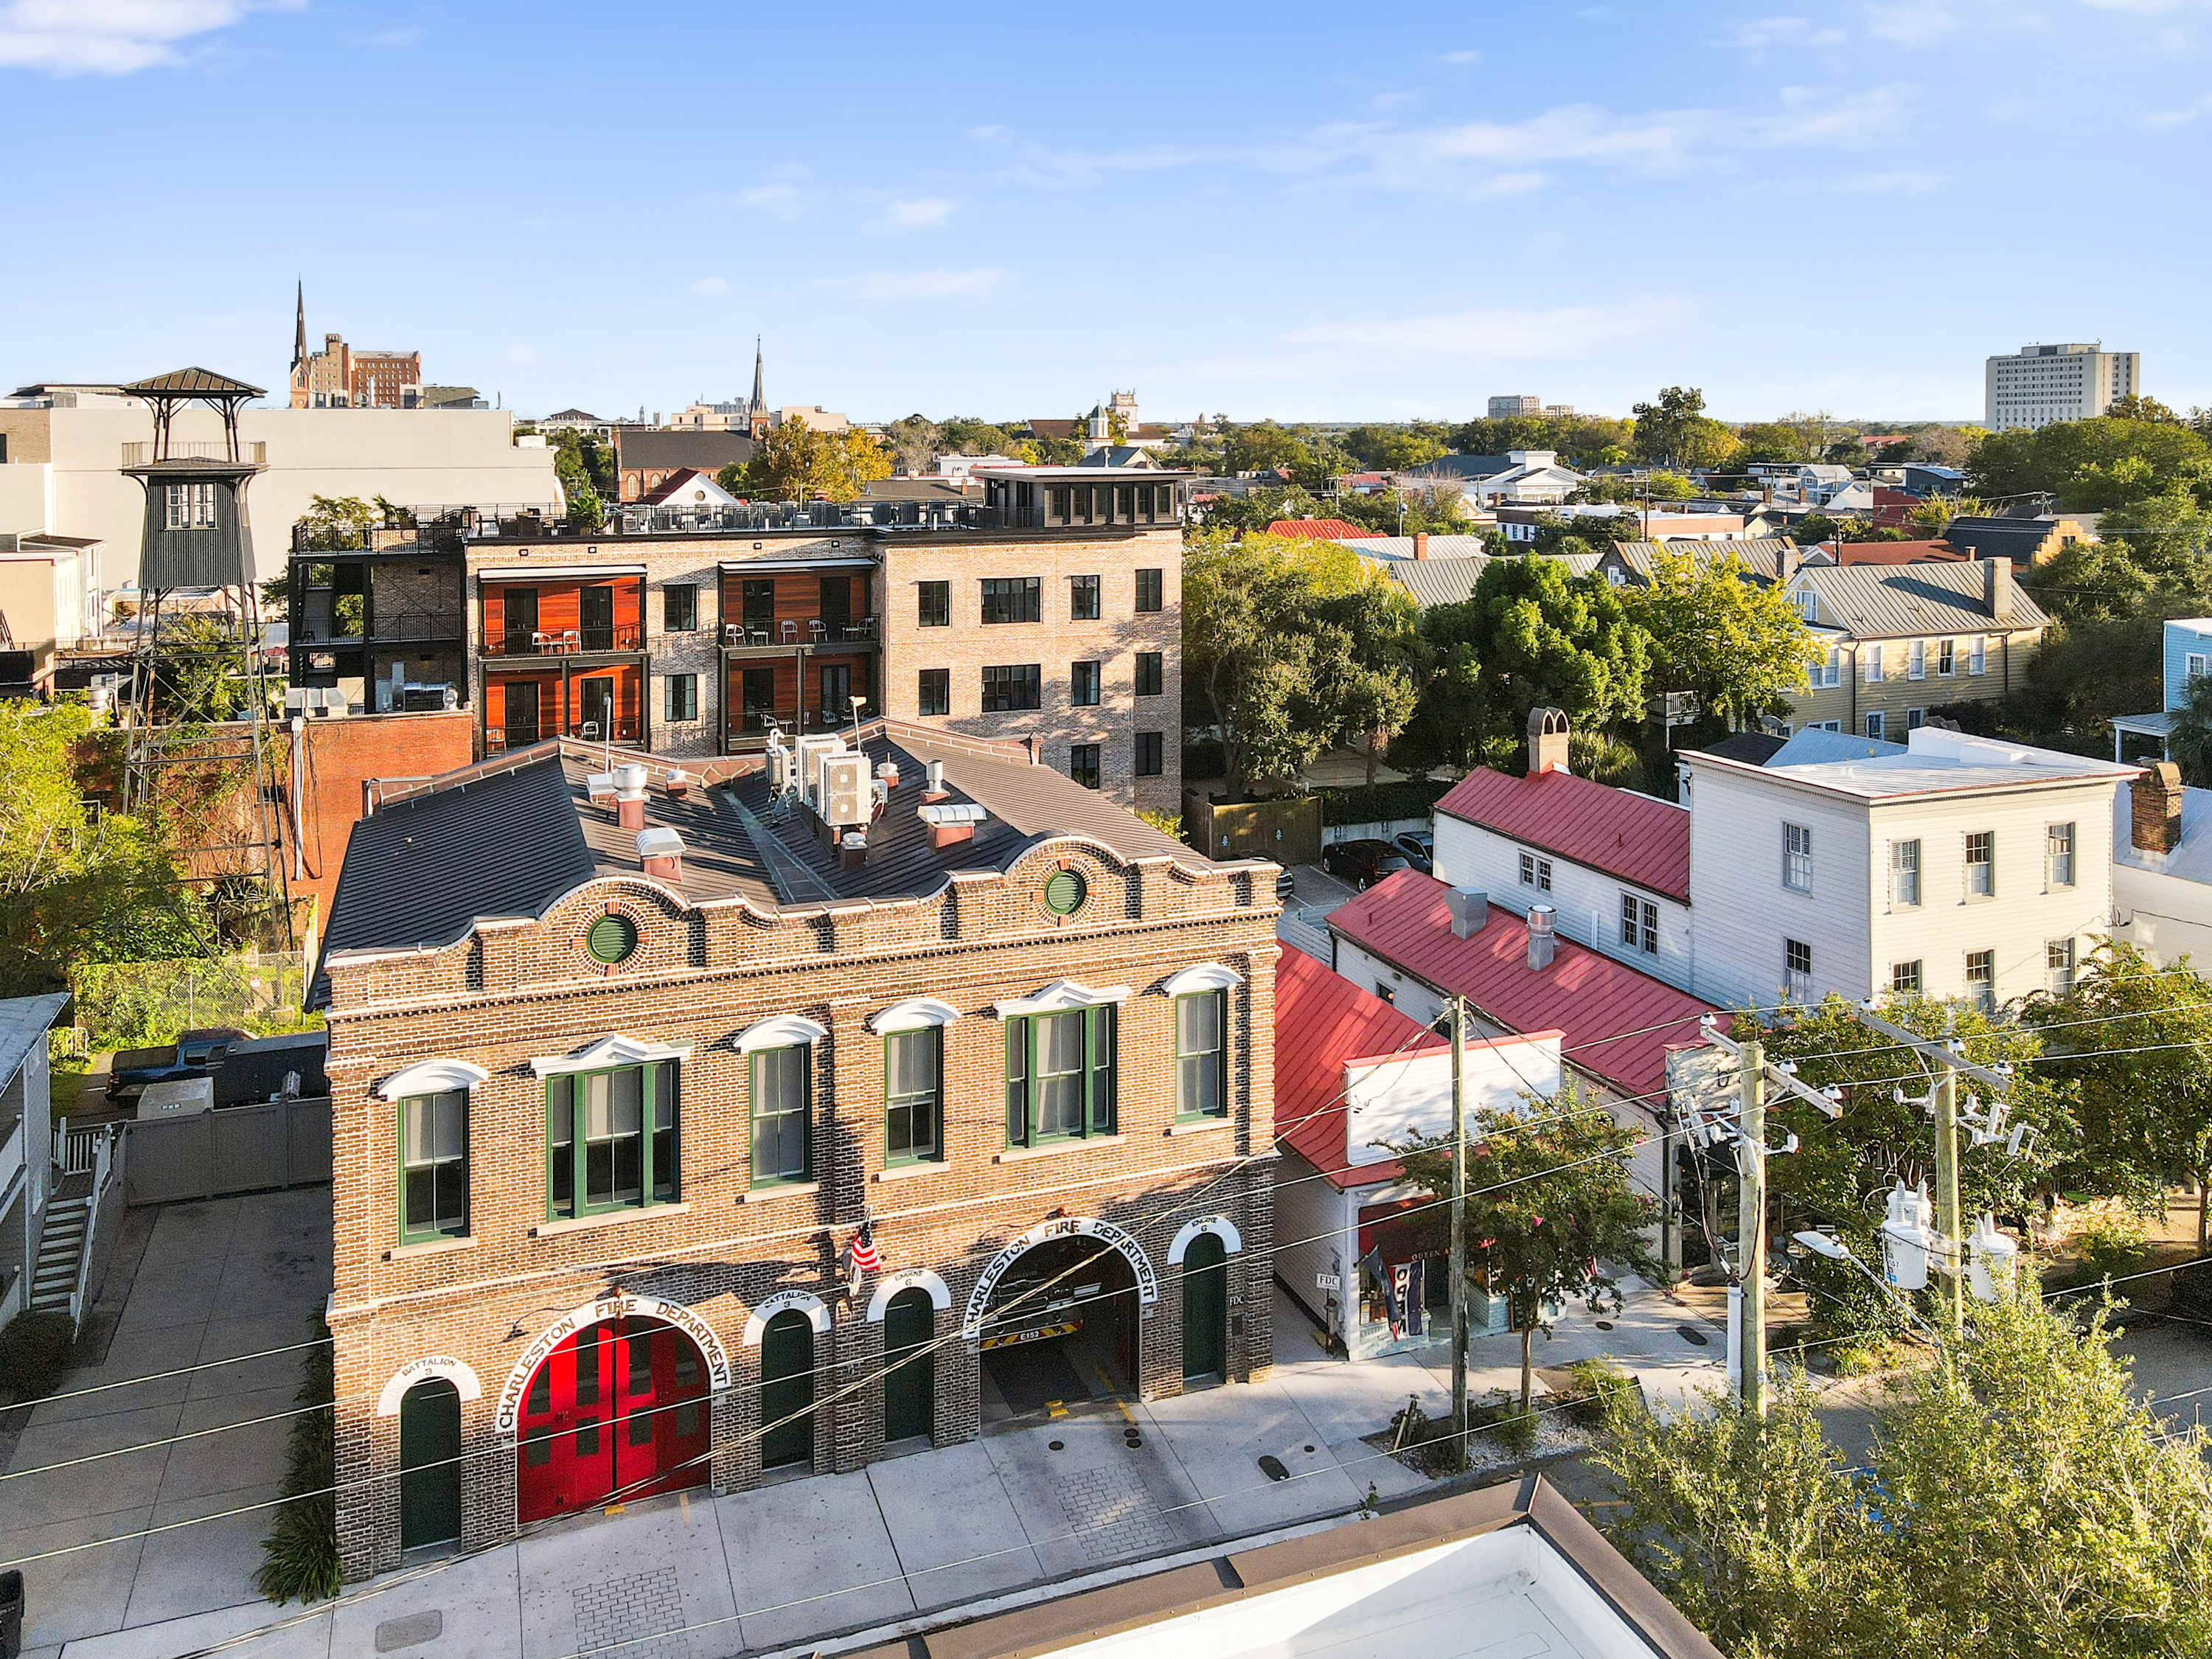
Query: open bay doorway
point(1060, 1331)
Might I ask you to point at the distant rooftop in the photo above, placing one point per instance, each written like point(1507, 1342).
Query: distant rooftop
point(1936, 762)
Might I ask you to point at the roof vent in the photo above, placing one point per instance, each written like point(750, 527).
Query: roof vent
point(950, 824)
point(629, 796)
point(887, 774)
point(933, 787)
point(1470, 909)
point(679, 783)
point(661, 850)
point(851, 849)
point(1540, 938)
point(601, 787)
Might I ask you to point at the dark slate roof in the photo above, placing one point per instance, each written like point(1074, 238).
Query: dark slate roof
point(639, 446)
point(422, 870)
point(1463, 466)
point(510, 837)
point(193, 383)
point(1751, 748)
point(2016, 538)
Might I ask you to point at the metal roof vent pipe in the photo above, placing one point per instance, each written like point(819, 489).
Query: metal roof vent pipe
point(629, 796)
point(852, 850)
point(933, 787)
point(1470, 909)
point(679, 784)
point(1541, 937)
point(660, 851)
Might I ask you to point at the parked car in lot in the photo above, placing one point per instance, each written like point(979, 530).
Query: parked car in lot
point(1418, 848)
point(1363, 863)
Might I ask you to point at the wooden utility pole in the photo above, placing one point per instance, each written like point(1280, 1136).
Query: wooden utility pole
point(1751, 1223)
point(1459, 1227)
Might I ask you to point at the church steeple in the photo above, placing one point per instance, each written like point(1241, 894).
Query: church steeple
point(760, 398)
point(300, 330)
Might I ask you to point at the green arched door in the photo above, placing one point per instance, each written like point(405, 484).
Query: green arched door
point(1205, 1309)
point(429, 1464)
point(910, 1366)
point(788, 1390)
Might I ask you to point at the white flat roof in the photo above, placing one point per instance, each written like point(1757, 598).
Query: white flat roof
point(1937, 762)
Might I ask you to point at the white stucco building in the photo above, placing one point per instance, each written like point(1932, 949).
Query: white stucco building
point(62, 449)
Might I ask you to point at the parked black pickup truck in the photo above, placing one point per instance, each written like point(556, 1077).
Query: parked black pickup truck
point(194, 1054)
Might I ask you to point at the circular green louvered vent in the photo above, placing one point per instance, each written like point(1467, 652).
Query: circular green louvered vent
point(1063, 893)
point(610, 939)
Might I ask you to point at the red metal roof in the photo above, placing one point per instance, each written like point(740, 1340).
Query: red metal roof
point(1619, 1023)
point(1937, 552)
point(1323, 1023)
point(1316, 529)
point(1625, 834)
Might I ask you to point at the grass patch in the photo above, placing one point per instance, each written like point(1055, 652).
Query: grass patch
point(300, 1556)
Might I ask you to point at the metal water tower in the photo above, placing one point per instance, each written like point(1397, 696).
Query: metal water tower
point(199, 731)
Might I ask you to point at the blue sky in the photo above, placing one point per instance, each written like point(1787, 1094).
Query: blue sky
point(1294, 211)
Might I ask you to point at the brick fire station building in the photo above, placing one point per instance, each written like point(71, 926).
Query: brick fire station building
point(622, 1065)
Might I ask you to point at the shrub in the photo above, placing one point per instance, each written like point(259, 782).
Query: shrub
point(34, 1349)
point(1516, 1430)
point(1606, 760)
point(2109, 1242)
point(1381, 803)
point(1602, 1388)
point(300, 1556)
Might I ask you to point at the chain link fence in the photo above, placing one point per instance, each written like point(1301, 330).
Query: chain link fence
point(128, 1005)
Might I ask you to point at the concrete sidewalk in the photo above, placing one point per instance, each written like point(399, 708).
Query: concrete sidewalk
point(695, 1576)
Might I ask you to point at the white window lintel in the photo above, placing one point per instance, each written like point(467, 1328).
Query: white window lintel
point(779, 1031)
point(1204, 976)
point(1061, 995)
point(607, 1052)
point(914, 1014)
point(431, 1077)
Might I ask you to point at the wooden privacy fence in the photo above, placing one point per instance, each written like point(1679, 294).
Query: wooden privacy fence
point(233, 1149)
point(1286, 829)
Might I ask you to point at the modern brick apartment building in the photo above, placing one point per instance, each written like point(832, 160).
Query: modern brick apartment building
point(620, 1069)
point(1051, 611)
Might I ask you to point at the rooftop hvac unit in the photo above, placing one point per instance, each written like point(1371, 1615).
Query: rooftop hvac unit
point(812, 748)
point(783, 765)
point(846, 798)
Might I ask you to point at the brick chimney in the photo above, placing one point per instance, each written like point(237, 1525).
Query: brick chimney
point(1997, 588)
point(629, 796)
point(2156, 800)
point(1547, 741)
point(1420, 544)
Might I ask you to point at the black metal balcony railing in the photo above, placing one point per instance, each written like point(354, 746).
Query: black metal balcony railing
point(498, 739)
point(793, 631)
point(565, 641)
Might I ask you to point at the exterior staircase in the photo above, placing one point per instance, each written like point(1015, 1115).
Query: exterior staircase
point(61, 1249)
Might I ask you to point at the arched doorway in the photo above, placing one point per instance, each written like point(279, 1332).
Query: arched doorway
point(616, 1411)
point(429, 1464)
point(1059, 1329)
point(909, 1365)
point(788, 1390)
point(1205, 1310)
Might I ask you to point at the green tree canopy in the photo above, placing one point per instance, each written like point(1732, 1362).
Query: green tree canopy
point(333, 524)
point(1396, 447)
point(1741, 648)
point(2135, 1041)
point(1368, 654)
point(1552, 1209)
point(1530, 637)
point(1258, 660)
point(2017, 1503)
point(2095, 464)
point(795, 463)
point(1677, 431)
point(1579, 440)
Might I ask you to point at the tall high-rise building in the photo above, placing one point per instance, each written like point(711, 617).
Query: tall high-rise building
point(1504, 408)
point(2040, 384)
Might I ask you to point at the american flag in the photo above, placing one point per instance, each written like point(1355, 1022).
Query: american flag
point(865, 1257)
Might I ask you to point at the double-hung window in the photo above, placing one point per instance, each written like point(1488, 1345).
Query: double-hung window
point(1797, 970)
point(611, 1138)
point(1152, 754)
point(1982, 864)
point(933, 692)
point(934, 604)
point(1059, 1075)
point(1149, 592)
point(1978, 655)
point(679, 607)
point(191, 507)
point(1200, 1090)
point(1083, 765)
point(779, 1086)
point(914, 1094)
point(1082, 598)
point(1871, 657)
point(1905, 873)
point(1536, 872)
point(1797, 858)
point(680, 697)
point(2058, 967)
point(1946, 657)
point(434, 1166)
point(1904, 978)
point(2058, 854)
point(1982, 980)
point(1639, 923)
point(1152, 673)
point(1916, 666)
point(1083, 683)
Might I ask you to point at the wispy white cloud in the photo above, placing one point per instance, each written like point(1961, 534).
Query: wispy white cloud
point(1816, 118)
point(989, 135)
point(113, 37)
point(925, 213)
point(1758, 33)
point(711, 285)
point(1502, 336)
point(777, 201)
point(1893, 184)
point(2182, 117)
point(1912, 25)
point(1462, 58)
point(917, 284)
